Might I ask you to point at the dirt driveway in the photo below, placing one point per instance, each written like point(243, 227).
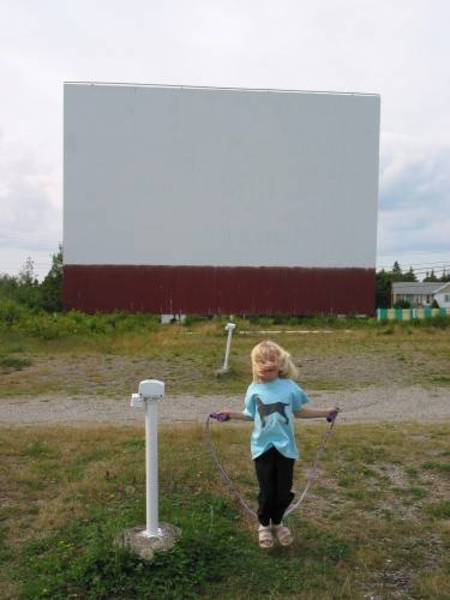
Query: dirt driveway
point(371, 404)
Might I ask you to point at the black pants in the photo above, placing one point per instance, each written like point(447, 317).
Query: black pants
point(274, 472)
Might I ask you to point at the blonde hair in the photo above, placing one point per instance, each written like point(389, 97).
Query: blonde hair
point(266, 349)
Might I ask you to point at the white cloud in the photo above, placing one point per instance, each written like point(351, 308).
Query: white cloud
point(414, 216)
point(30, 219)
point(398, 49)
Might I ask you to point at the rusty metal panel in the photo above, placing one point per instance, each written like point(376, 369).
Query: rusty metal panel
point(219, 290)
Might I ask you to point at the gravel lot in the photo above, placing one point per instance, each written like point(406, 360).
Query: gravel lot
point(371, 404)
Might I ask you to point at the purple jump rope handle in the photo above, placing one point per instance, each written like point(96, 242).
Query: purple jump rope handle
point(221, 417)
point(332, 416)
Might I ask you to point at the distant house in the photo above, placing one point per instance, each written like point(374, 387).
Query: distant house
point(442, 295)
point(419, 293)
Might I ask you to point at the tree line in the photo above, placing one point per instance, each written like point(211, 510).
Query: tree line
point(385, 279)
point(26, 290)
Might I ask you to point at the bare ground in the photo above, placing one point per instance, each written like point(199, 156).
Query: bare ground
point(116, 376)
point(375, 383)
point(371, 404)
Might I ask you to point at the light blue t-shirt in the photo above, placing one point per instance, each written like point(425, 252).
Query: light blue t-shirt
point(271, 406)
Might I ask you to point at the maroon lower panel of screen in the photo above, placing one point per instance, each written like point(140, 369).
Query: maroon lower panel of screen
point(219, 290)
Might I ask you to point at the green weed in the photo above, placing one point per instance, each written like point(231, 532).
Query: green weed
point(440, 510)
point(440, 380)
point(437, 466)
point(14, 363)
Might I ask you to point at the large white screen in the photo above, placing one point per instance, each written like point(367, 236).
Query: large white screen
point(205, 176)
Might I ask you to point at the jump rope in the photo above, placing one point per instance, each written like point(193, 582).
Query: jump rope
point(233, 488)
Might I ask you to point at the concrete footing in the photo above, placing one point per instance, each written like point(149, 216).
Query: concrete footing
point(145, 547)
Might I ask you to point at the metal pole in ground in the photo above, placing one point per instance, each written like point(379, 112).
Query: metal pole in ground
point(150, 392)
point(151, 456)
point(154, 536)
point(230, 327)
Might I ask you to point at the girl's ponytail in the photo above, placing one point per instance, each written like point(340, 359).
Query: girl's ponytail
point(287, 370)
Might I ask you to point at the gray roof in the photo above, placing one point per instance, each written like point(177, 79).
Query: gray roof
point(415, 287)
point(443, 287)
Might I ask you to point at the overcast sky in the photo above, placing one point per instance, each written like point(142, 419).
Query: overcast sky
point(397, 48)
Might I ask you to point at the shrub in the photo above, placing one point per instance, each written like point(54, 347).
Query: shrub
point(10, 312)
point(402, 304)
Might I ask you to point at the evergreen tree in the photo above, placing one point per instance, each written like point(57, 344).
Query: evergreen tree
point(384, 280)
point(431, 277)
point(396, 273)
point(410, 275)
point(52, 286)
point(383, 289)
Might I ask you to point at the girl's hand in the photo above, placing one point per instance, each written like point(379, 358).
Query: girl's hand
point(221, 415)
point(332, 414)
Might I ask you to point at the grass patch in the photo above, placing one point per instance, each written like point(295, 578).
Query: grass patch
point(13, 363)
point(441, 380)
point(107, 355)
point(441, 510)
point(67, 493)
point(418, 492)
point(102, 570)
point(443, 468)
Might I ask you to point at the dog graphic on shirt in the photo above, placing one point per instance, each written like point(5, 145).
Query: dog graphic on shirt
point(265, 410)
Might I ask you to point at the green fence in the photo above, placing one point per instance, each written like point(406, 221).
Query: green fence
point(409, 314)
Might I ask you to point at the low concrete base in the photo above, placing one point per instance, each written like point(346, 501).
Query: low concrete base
point(145, 547)
point(221, 372)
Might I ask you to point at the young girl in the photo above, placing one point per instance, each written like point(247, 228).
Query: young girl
point(271, 401)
